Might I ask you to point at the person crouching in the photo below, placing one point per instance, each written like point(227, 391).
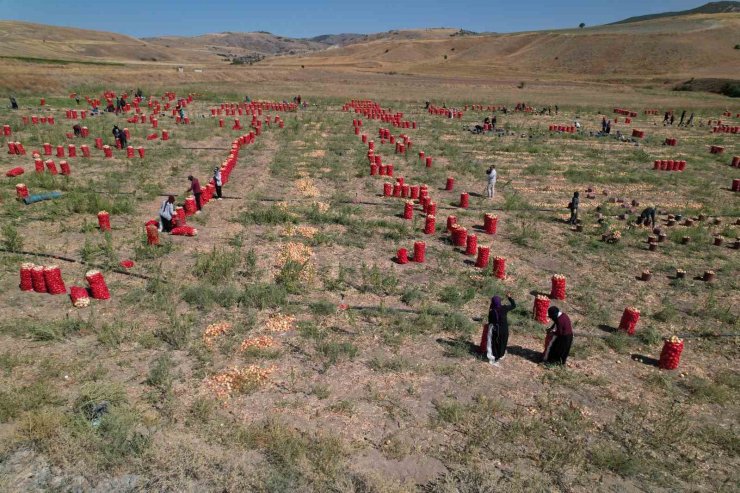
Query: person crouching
point(560, 336)
point(166, 213)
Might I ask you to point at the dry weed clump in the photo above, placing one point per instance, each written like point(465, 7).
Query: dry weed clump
point(307, 187)
point(237, 380)
point(321, 206)
point(304, 231)
point(213, 331)
point(300, 254)
point(280, 323)
point(260, 342)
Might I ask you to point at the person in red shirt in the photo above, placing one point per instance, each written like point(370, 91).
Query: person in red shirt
point(561, 337)
point(195, 188)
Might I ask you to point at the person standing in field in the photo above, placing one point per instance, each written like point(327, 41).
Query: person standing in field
point(496, 334)
point(217, 181)
point(197, 191)
point(573, 206)
point(491, 174)
point(166, 213)
point(560, 338)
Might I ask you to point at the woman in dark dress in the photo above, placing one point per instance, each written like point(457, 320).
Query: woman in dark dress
point(496, 333)
point(560, 337)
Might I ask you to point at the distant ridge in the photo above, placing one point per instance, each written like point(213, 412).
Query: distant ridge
point(709, 8)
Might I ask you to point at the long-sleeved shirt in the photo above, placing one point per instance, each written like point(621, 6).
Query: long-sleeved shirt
point(491, 175)
point(648, 215)
point(167, 210)
point(574, 203)
point(217, 177)
point(195, 187)
point(562, 326)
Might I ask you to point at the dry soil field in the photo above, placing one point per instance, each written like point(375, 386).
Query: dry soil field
point(284, 349)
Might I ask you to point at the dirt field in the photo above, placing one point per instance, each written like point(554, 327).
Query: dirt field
point(356, 373)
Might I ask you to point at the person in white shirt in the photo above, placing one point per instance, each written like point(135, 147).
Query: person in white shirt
point(217, 181)
point(166, 213)
point(491, 189)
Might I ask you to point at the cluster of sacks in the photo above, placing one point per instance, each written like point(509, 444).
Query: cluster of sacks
point(372, 110)
point(48, 279)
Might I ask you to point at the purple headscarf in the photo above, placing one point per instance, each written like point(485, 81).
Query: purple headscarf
point(496, 306)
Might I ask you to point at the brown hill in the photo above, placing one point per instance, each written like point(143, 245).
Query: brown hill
point(239, 44)
point(25, 39)
point(669, 48)
point(700, 45)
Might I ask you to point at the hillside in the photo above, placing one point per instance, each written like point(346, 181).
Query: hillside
point(698, 45)
point(668, 48)
point(25, 39)
point(240, 44)
point(231, 44)
point(709, 8)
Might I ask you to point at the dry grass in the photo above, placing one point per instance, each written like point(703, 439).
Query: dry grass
point(324, 396)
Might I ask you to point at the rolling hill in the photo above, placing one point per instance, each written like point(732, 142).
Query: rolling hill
point(709, 8)
point(25, 39)
point(698, 46)
point(660, 47)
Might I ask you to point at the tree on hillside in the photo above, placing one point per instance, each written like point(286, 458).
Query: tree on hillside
point(582, 25)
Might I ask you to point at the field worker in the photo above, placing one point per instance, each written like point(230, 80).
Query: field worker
point(195, 188)
point(13, 103)
point(77, 129)
point(496, 333)
point(491, 188)
point(182, 114)
point(217, 181)
point(573, 206)
point(560, 336)
point(603, 125)
point(647, 217)
point(683, 115)
point(577, 124)
point(122, 138)
point(166, 213)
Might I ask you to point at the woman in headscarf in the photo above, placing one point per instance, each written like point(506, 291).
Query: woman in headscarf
point(559, 337)
point(496, 333)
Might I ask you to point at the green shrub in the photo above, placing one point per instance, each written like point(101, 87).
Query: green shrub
point(56, 330)
point(160, 372)
point(12, 240)
point(457, 322)
point(263, 295)
point(323, 308)
point(335, 352)
point(260, 214)
point(176, 331)
point(456, 296)
point(15, 400)
point(217, 266)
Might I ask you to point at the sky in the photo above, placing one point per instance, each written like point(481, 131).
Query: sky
point(295, 18)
